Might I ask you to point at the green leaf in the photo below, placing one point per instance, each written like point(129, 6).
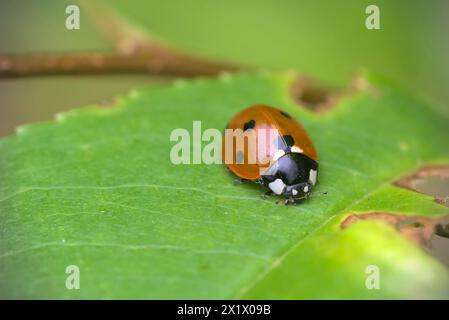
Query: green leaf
point(96, 189)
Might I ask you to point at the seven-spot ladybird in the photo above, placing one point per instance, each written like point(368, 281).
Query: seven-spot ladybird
point(289, 162)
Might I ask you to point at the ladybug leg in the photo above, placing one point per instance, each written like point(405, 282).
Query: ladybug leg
point(267, 194)
point(295, 200)
point(239, 180)
point(289, 200)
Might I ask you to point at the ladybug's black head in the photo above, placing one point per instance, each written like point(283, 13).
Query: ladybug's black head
point(292, 175)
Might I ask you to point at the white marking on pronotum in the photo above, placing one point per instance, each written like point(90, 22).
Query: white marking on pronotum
point(312, 176)
point(296, 149)
point(306, 189)
point(277, 186)
point(294, 192)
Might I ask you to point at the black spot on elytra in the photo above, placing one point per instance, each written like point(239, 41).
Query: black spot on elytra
point(285, 114)
point(289, 140)
point(249, 125)
point(283, 141)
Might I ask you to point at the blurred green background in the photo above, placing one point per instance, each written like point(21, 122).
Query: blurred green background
point(326, 39)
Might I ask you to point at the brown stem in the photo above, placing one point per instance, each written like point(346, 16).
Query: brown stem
point(98, 63)
point(136, 52)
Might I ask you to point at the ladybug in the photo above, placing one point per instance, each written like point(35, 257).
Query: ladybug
point(284, 159)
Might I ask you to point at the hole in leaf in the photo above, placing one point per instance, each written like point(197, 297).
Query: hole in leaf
point(429, 180)
point(311, 96)
point(431, 233)
point(442, 230)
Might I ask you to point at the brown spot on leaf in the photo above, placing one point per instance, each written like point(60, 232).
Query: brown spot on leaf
point(429, 180)
point(416, 228)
